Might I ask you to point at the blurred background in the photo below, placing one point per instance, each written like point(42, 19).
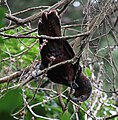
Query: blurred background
point(99, 61)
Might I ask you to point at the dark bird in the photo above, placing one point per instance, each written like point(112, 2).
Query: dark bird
point(84, 90)
point(59, 50)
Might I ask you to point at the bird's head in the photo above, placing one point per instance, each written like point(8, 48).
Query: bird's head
point(84, 89)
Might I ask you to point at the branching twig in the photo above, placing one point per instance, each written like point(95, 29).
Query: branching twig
point(35, 16)
point(30, 9)
point(46, 37)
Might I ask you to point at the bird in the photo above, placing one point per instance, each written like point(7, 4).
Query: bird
point(54, 51)
point(84, 90)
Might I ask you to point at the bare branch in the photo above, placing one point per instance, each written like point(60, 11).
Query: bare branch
point(46, 37)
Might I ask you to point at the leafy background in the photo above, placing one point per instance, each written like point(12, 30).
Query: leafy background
point(100, 104)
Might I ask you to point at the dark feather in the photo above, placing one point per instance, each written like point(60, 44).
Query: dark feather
point(55, 51)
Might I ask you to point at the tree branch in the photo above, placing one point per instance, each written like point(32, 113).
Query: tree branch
point(46, 37)
point(20, 21)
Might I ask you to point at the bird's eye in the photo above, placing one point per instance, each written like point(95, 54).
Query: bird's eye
point(82, 96)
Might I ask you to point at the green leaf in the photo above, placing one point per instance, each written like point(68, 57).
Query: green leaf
point(11, 100)
point(2, 15)
point(87, 72)
point(1, 40)
point(65, 116)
